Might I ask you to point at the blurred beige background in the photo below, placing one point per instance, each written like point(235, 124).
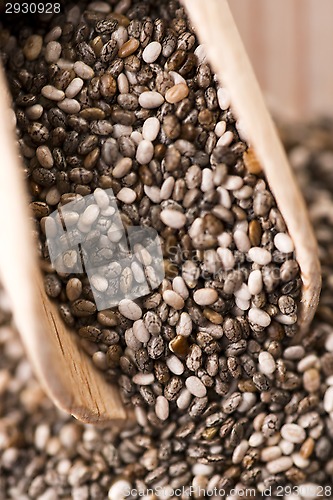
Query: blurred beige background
point(290, 43)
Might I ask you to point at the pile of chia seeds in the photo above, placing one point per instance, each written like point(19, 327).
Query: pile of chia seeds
point(119, 95)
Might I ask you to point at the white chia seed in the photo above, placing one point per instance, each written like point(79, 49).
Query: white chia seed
point(173, 218)
point(205, 296)
point(293, 433)
point(299, 461)
point(151, 128)
point(167, 188)
point(151, 100)
point(179, 286)
point(328, 400)
point(90, 215)
point(83, 70)
point(52, 93)
point(153, 193)
point(259, 317)
point(284, 243)
point(223, 98)
point(256, 439)
point(143, 378)
point(270, 453)
point(248, 400)
point(220, 128)
point(74, 87)
point(242, 241)
point(184, 399)
point(99, 282)
point(123, 85)
point(260, 256)
point(284, 319)
point(294, 352)
point(175, 365)
point(119, 489)
point(267, 363)
point(287, 447)
point(52, 52)
point(145, 152)
point(243, 292)
point(224, 141)
point(281, 464)
point(162, 408)
point(184, 325)
point(122, 168)
point(232, 182)
point(239, 452)
point(308, 362)
point(195, 386)
point(177, 78)
point(151, 52)
point(126, 195)
point(101, 198)
point(70, 106)
point(207, 181)
point(173, 299)
point(226, 257)
point(130, 309)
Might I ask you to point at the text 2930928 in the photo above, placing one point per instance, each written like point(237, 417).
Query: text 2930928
point(32, 8)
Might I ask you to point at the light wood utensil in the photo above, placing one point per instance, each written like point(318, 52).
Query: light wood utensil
point(67, 375)
point(216, 28)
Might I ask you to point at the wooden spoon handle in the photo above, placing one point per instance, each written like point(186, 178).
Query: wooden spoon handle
point(65, 372)
point(216, 28)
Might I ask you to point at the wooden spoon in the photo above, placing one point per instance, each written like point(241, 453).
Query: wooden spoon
point(215, 27)
point(65, 371)
point(69, 378)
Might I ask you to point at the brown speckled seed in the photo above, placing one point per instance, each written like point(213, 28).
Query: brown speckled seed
point(255, 232)
point(307, 448)
point(128, 48)
point(251, 162)
point(179, 345)
point(32, 47)
point(177, 93)
point(73, 289)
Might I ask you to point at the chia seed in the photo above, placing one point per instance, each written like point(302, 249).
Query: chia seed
point(126, 100)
